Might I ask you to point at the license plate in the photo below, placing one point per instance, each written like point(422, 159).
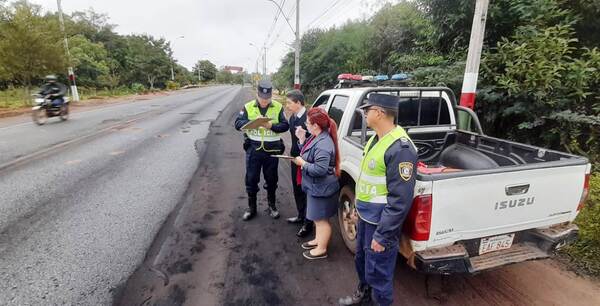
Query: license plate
point(496, 243)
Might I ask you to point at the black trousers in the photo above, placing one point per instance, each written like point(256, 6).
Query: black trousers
point(299, 196)
point(257, 161)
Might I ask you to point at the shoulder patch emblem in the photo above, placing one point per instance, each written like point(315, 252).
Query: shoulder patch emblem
point(406, 170)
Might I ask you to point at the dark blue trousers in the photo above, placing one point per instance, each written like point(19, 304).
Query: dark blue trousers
point(257, 161)
point(375, 269)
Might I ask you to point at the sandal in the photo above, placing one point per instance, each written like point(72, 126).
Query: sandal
point(308, 246)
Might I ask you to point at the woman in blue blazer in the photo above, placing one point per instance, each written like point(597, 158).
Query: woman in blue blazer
point(318, 172)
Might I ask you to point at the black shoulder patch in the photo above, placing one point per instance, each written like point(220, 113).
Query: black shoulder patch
point(405, 142)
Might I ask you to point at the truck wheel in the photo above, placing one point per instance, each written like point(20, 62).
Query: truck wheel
point(346, 210)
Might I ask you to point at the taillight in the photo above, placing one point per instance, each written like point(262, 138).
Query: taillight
point(585, 193)
point(418, 222)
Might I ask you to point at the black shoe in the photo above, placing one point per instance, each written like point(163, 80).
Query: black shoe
point(304, 231)
point(361, 296)
point(295, 220)
point(249, 214)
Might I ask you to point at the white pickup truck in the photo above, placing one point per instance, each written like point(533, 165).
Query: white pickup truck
point(480, 202)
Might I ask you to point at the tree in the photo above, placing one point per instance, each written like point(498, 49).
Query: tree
point(208, 70)
point(224, 77)
point(30, 44)
point(90, 61)
point(148, 60)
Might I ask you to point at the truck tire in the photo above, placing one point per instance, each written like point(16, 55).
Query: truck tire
point(346, 209)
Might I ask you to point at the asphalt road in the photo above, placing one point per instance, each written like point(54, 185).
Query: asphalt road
point(205, 255)
point(81, 201)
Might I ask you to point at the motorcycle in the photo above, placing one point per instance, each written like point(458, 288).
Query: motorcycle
point(44, 108)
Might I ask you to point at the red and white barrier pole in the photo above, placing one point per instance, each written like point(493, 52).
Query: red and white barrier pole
point(469, 89)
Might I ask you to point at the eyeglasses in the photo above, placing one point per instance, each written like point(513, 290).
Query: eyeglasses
point(373, 108)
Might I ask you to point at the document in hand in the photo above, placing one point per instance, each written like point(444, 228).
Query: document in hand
point(256, 123)
point(283, 156)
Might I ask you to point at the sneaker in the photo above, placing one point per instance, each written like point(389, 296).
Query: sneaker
point(248, 215)
point(359, 297)
point(273, 212)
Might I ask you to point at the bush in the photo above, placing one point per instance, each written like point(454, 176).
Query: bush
point(172, 85)
point(585, 253)
point(138, 88)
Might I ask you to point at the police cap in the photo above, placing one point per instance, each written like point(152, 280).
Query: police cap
point(265, 89)
point(388, 102)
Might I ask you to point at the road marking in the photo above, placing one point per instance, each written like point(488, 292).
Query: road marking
point(115, 153)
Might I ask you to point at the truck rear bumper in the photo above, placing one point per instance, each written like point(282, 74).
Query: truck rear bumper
point(461, 258)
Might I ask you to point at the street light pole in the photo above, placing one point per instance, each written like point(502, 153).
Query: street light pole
point(258, 57)
point(71, 72)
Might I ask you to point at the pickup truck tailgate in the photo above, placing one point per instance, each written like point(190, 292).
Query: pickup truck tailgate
point(485, 205)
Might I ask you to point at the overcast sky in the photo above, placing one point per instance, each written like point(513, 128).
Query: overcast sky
point(221, 30)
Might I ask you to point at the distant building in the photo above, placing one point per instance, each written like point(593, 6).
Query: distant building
point(233, 69)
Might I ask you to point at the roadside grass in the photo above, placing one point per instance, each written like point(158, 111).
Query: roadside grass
point(584, 255)
point(19, 97)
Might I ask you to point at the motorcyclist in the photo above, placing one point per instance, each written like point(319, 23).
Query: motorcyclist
point(53, 90)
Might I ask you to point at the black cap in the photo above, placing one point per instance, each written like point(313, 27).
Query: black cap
point(384, 101)
point(296, 95)
point(265, 89)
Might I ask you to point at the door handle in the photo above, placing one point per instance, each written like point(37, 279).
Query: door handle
point(516, 189)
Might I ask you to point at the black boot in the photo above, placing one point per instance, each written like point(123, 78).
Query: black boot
point(273, 212)
point(251, 210)
point(306, 229)
point(362, 296)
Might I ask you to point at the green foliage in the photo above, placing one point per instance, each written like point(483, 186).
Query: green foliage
point(585, 253)
point(30, 44)
point(540, 88)
point(208, 70)
point(91, 61)
point(172, 85)
point(138, 88)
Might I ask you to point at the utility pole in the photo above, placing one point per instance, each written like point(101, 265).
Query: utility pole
point(297, 55)
point(71, 72)
point(469, 89)
point(296, 31)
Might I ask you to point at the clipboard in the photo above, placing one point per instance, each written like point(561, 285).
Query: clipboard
point(256, 123)
point(283, 157)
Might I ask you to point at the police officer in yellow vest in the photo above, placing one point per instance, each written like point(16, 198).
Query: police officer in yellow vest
point(384, 194)
point(260, 144)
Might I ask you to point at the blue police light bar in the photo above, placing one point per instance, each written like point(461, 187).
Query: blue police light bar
point(400, 77)
point(381, 77)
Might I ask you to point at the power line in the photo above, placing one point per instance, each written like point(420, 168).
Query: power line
point(274, 24)
point(341, 11)
point(323, 14)
point(276, 39)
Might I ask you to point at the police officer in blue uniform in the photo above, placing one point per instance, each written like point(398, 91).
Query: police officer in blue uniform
point(384, 195)
point(260, 144)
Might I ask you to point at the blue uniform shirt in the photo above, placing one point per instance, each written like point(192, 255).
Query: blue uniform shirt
point(400, 192)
